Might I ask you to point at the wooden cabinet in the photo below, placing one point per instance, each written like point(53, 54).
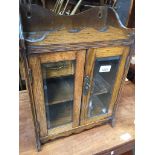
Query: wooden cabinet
point(76, 89)
point(76, 78)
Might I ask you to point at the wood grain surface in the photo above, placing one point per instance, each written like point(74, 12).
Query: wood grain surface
point(80, 62)
point(90, 62)
point(38, 94)
point(85, 35)
point(89, 142)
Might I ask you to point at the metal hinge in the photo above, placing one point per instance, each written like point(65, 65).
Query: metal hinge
point(86, 86)
point(30, 75)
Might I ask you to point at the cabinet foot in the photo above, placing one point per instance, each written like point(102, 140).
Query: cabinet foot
point(38, 146)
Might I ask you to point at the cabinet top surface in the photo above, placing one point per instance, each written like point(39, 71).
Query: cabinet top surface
point(88, 35)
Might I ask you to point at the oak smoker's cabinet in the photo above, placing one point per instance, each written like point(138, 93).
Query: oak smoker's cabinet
point(77, 77)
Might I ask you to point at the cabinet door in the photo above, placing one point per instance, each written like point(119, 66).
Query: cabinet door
point(103, 75)
point(57, 89)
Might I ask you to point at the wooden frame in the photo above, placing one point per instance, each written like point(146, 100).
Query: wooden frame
point(92, 55)
point(35, 64)
point(68, 131)
point(80, 120)
point(84, 66)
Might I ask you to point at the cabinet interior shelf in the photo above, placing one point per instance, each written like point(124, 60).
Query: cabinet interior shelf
point(60, 90)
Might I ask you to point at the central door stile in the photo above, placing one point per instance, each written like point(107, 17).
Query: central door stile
point(79, 74)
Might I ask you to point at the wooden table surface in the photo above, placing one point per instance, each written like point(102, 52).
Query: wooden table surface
point(93, 141)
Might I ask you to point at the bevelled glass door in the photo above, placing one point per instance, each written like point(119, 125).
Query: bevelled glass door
point(57, 88)
point(104, 71)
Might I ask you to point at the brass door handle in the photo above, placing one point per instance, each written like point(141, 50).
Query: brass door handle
point(56, 66)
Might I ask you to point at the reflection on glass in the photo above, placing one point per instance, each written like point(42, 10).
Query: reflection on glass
point(105, 71)
point(58, 83)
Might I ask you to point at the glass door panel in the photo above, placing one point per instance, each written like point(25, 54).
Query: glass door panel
point(58, 84)
point(105, 71)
